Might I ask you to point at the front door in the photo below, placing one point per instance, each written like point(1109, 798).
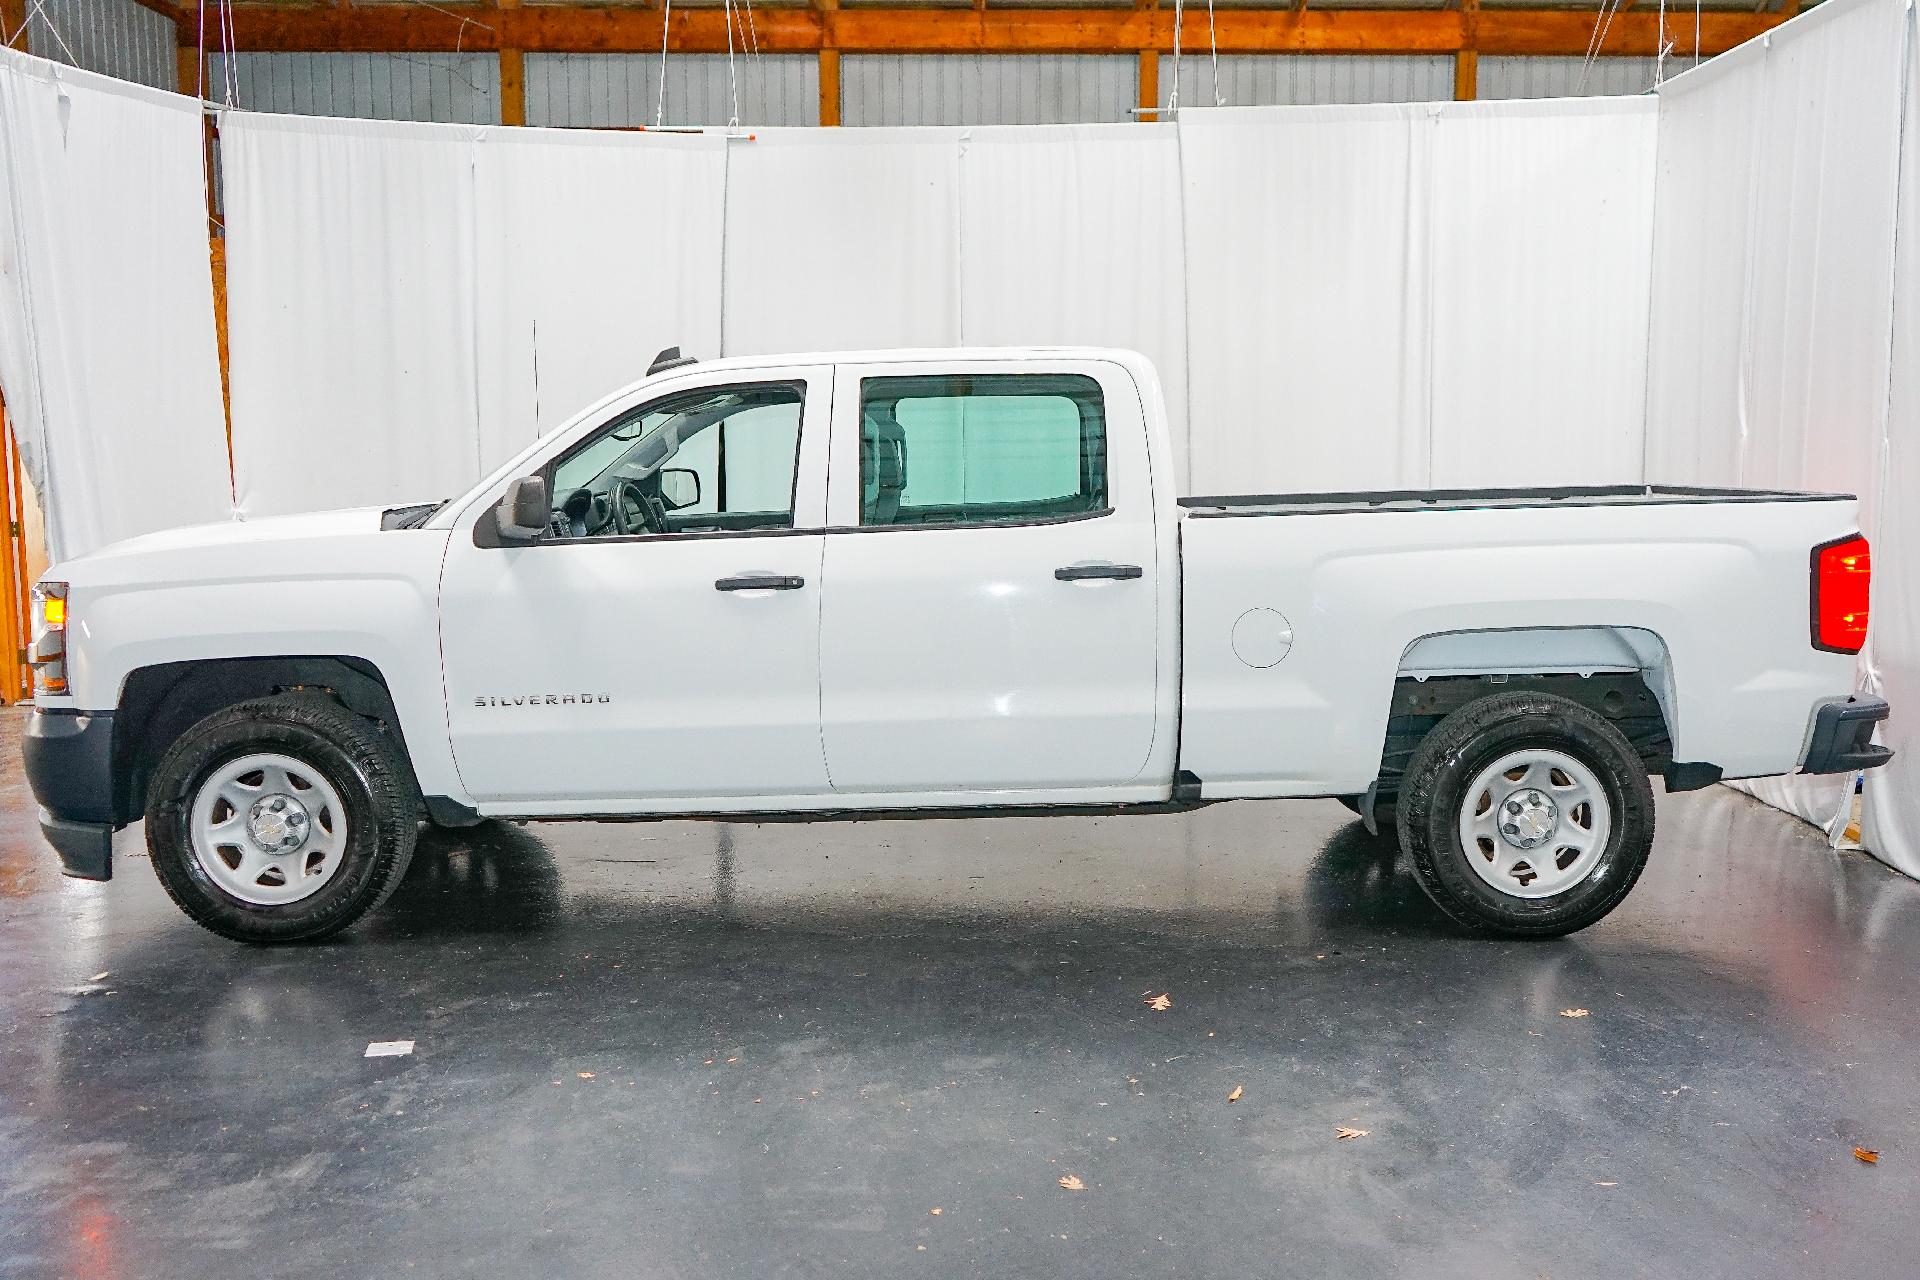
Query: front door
point(659, 650)
point(991, 610)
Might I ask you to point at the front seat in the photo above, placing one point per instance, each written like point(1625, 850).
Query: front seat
point(883, 465)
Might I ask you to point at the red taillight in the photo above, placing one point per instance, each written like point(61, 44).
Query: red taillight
point(1841, 572)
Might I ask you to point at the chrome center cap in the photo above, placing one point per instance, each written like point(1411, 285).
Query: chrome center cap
point(277, 823)
point(1528, 817)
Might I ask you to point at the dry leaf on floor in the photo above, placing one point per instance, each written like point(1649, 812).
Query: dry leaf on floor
point(1866, 1155)
point(1072, 1182)
point(1341, 1131)
point(1160, 1003)
point(1238, 1090)
point(100, 977)
point(936, 1211)
point(1576, 1013)
point(586, 1075)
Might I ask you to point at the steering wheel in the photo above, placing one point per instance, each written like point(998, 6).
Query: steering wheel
point(651, 516)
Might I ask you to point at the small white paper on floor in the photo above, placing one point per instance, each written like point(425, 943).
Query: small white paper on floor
point(390, 1048)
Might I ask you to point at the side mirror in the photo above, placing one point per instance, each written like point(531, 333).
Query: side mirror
point(523, 514)
point(679, 488)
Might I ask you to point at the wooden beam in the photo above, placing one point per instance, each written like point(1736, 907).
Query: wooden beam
point(13, 20)
point(513, 78)
point(1466, 63)
point(404, 28)
point(1150, 83)
point(829, 70)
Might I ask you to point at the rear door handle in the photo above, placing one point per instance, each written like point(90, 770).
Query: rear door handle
point(1082, 572)
point(760, 582)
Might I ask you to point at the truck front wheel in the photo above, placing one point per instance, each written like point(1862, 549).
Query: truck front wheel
point(1526, 814)
point(282, 819)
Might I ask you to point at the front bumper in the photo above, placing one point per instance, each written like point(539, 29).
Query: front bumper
point(1841, 737)
point(69, 763)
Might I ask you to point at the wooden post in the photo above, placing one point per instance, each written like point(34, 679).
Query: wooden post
point(1149, 77)
point(513, 79)
point(13, 18)
point(829, 67)
point(18, 679)
point(1466, 63)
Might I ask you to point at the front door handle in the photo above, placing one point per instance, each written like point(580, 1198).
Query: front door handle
point(1082, 572)
point(760, 582)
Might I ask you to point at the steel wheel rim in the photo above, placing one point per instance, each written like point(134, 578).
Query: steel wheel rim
point(268, 829)
point(1534, 823)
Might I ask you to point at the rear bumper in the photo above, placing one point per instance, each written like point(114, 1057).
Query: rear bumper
point(69, 764)
point(1841, 732)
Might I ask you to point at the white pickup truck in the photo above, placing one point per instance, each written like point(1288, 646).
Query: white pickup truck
point(934, 582)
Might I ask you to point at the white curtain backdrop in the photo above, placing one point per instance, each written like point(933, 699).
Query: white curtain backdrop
point(1072, 236)
point(408, 303)
point(1773, 304)
point(107, 346)
point(1428, 294)
point(350, 300)
point(1891, 821)
point(599, 251)
point(841, 238)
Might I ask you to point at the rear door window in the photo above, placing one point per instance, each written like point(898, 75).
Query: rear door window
point(981, 449)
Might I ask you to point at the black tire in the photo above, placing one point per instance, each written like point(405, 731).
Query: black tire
point(361, 763)
point(1458, 749)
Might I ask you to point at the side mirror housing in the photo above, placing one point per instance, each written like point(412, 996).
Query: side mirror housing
point(679, 488)
point(523, 514)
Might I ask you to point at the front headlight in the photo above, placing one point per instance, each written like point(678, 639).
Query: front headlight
point(47, 655)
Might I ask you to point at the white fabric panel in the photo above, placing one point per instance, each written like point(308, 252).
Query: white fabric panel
point(1542, 231)
point(1697, 323)
point(841, 238)
point(595, 251)
point(1305, 299)
point(1807, 382)
point(1072, 237)
point(1890, 823)
point(107, 349)
point(350, 300)
point(1398, 296)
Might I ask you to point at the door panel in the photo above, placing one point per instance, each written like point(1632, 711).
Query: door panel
point(618, 671)
point(955, 657)
point(645, 672)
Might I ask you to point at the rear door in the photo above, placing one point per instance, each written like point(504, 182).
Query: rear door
point(990, 601)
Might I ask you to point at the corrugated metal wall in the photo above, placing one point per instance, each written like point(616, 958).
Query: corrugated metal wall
point(454, 88)
point(1562, 77)
point(614, 90)
point(113, 37)
point(1266, 80)
point(987, 88)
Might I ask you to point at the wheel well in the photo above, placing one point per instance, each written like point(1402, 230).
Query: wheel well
point(1623, 698)
point(161, 702)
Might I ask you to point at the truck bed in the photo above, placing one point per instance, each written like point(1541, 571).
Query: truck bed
point(1294, 504)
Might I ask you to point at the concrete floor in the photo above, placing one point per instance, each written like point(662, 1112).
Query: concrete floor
point(871, 1050)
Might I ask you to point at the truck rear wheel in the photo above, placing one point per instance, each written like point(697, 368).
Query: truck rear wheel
point(282, 819)
point(1526, 814)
